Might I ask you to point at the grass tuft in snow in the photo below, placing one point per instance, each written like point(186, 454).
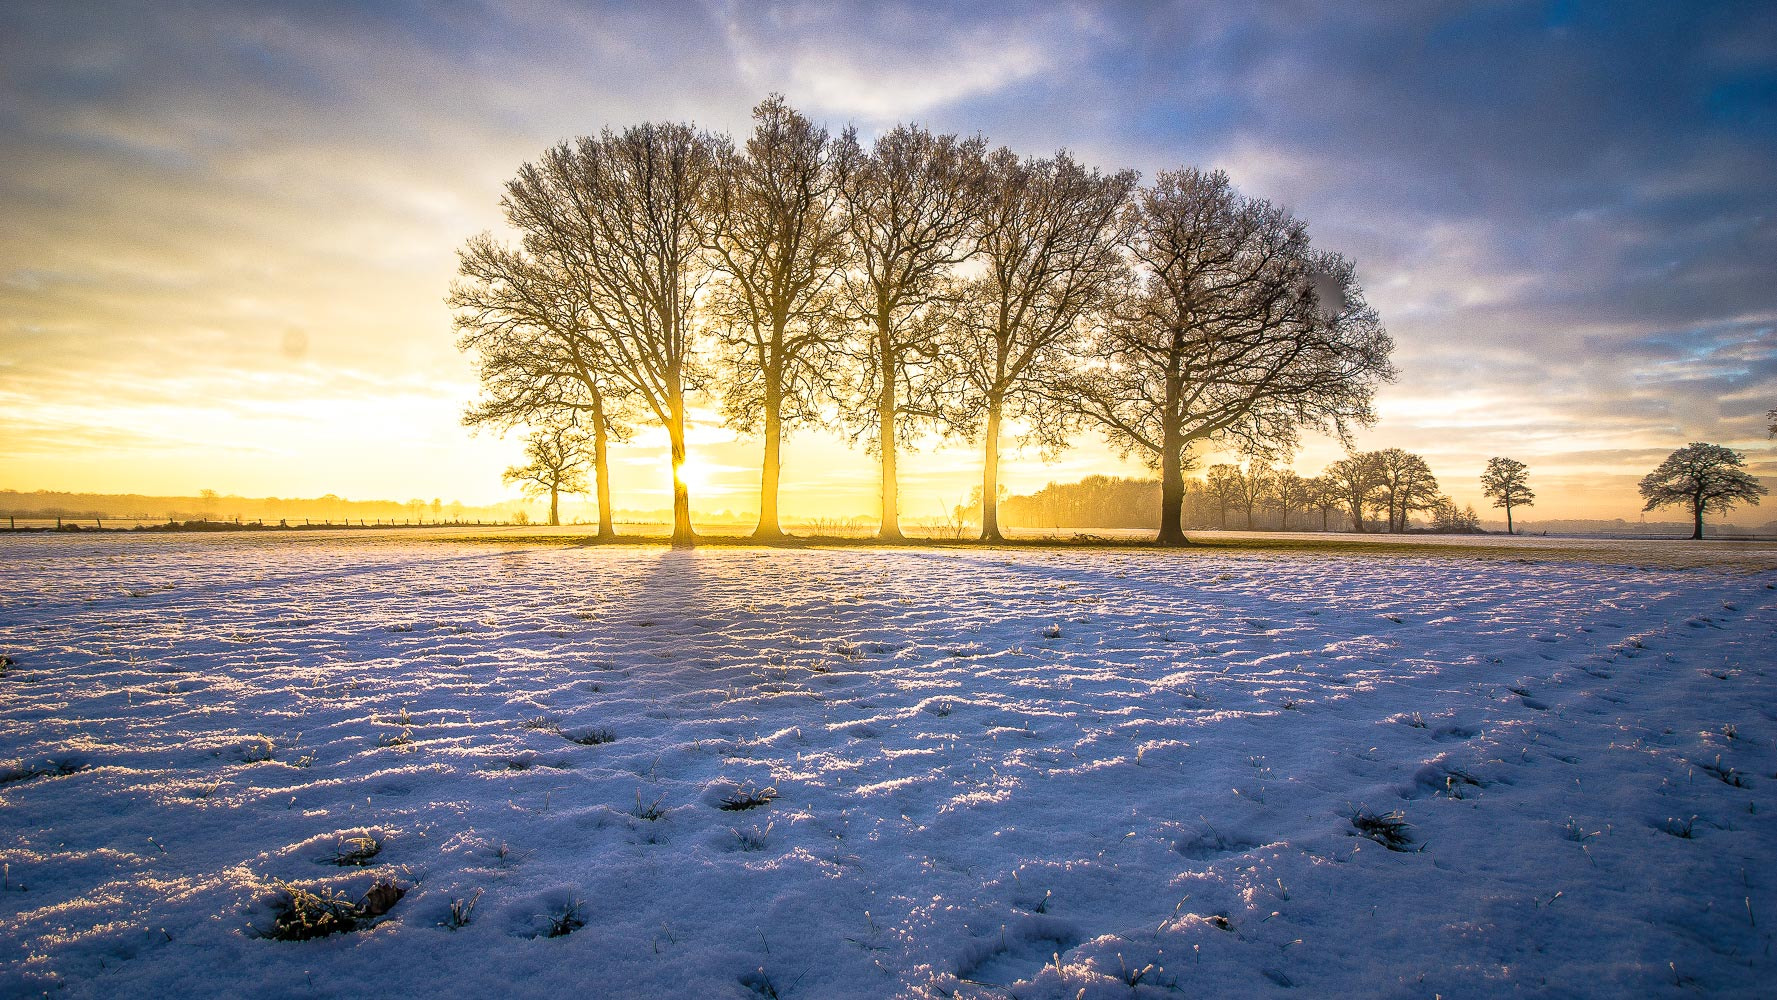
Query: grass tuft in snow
point(752, 838)
point(54, 767)
point(1683, 829)
point(543, 723)
point(649, 812)
point(400, 739)
point(462, 910)
point(1577, 833)
point(591, 737)
point(258, 750)
point(1052, 631)
point(747, 798)
point(1135, 977)
point(565, 920)
point(1724, 773)
point(356, 852)
point(301, 915)
point(1388, 829)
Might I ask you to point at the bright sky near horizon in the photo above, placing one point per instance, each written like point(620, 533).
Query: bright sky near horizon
point(226, 231)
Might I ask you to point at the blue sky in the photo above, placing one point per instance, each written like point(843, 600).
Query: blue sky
point(226, 232)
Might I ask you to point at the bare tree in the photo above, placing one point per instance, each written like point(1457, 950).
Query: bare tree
point(555, 462)
point(1235, 328)
point(1323, 495)
point(1225, 485)
point(1704, 477)
point(1290, 493)
point(1046, 233)
point(1508, 482)
point(536, 348)
point(1407, 485)
point(627, 216)
point(783, 247)
point(1356, 480)
point(1448, 518)
point(908, 204)
point(1255, 487)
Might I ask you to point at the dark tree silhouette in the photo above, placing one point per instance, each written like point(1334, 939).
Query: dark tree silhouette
point(1289, 493)
point(1254, 484)
point(1407, 485)
point(1507, 481)
point(1704, 477)
point(1235, 328)
point(1324, 496)
point(909, 203)
point(628, 216)
point(536, 351)
point(1046, 235)
point(555, 462)
point(1357, 481)
point(1224, 485)
point(783, 247)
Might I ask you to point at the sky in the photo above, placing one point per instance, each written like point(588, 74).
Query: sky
point(227, 231)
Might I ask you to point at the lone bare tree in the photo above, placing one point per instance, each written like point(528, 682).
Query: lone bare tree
point(1507, 481)
point(1235, 328)
point(627, 217)
point(555, 462)
point(1046, 233)
point(1704, 477)
point(1407, 485)
point(536, 351)
point(908, 203)
point(1356, 481)
point(783, 247)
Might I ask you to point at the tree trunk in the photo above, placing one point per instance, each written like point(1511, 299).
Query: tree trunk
point(1357, 516)
point(1249, 519)
point(554, 506)
point(1509, 530)
point(885, 415)
point(683, 537)
point(769, 529)
point(1697, 518)
point(1172, 478)
point(990, 477)
point(601, 468)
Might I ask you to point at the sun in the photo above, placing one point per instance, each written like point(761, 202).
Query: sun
point(694, 475)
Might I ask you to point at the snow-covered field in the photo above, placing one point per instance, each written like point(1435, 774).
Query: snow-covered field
point(974, 772)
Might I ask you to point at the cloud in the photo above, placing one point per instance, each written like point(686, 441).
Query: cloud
point(882, 62)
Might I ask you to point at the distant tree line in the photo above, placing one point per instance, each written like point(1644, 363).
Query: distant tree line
point(922, 283)
point(1366, 491)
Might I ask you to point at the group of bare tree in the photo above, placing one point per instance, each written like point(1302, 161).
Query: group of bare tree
point(1380, 488)
point(922, 283)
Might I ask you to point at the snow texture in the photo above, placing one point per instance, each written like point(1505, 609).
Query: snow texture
point(879, 772)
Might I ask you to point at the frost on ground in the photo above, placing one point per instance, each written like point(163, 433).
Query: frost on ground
point(857, 773)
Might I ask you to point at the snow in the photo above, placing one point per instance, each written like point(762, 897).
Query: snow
point(1040, 773)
